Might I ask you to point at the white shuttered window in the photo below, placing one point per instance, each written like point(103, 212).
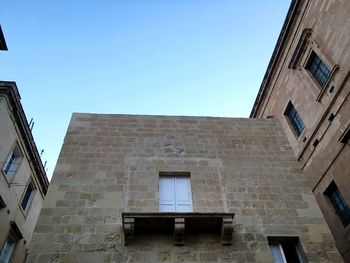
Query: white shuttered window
point(175, 194)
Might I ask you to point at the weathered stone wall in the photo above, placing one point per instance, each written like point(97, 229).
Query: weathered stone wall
point(328, 160)
point(12, 191)
point(110, 164)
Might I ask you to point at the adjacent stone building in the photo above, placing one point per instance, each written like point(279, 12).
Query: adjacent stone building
point(3, 45)
point(23, 181)
point(179, 189)
point(306, 87)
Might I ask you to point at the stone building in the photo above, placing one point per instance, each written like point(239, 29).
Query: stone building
point(179, 189)
point(3, 45)
point(306, 87)
point(23, 181)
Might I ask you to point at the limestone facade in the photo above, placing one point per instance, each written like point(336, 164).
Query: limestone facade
point(323, 28)
point(108, 176)
point(23, 181)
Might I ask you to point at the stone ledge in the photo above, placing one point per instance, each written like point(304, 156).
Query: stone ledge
point(178, 224)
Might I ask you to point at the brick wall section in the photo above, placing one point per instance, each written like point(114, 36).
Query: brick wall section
point(111, 163)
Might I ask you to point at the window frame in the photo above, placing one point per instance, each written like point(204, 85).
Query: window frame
point(318, 68)
point(176, 203)
point(29, 197)
point(14, 240)
point(6, 167)
point(314, 46)
point(344, 216)
point(279, 243)
point(294, 123)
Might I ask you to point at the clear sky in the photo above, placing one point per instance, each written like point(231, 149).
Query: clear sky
point(164, 57)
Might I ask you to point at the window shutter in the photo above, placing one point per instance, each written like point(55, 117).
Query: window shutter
point(183, 194)
point(7, 251)
point(12, 164)
point(15, 164)
point(166, 194)
point(278, 254)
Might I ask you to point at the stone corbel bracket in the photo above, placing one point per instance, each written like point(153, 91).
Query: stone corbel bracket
point(129, 230)
point(179, 232)
point(227, 231)
point(164, 222)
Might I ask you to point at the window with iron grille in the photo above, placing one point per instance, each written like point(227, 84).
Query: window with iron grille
point(294, 119)
point(318, 68)
point(341, 207)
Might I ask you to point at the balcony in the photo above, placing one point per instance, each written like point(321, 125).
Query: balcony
point(178, 224)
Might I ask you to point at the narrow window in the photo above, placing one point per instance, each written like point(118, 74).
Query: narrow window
point(8, 248)
point(295, 119)
point(285, 249)
point(341, 207)
point(2, 203)
point(344, 138)
point(12, 163)
point(175, 192)
point(318, 68)
point(28, 196)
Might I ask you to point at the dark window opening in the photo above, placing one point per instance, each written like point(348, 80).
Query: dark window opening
point(28, 196)
point(344, 138)
point(318, 68)
point(286, 249)
point(2, 203)
point(331, 117)
point(341, 207)
point(294, 119)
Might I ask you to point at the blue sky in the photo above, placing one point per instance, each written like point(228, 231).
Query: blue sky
point(193, 57)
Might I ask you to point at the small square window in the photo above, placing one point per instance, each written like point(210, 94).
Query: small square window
point(341, 207)
point(175, 192)
point(28, 196)
point(12, 163)
point(285, 249)
point(294, 118)
point(318, 68)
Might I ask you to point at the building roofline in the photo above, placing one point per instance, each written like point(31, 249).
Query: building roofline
point(9, 89)
point(290, 17)
point(3, 45)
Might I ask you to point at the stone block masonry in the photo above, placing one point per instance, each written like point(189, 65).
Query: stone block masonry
point(110, 164)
